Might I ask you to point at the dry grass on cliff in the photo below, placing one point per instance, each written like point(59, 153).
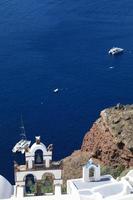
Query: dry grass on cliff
point(72, 165)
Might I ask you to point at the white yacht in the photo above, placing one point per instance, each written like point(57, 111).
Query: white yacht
point(23, 143)
point(56, 90)
point(115, 50)
point(21, 146)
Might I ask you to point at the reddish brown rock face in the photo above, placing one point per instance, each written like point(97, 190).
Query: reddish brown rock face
point(110, 139)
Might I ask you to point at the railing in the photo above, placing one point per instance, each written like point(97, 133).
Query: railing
point(53, 166)
point(43, 167)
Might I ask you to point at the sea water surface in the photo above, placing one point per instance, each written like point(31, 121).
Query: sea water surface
point(48, 44)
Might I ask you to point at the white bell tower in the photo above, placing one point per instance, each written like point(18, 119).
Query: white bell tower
point(39, 171)
point(91, 171)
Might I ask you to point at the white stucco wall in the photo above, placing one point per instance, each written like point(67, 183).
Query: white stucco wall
point(114, 189)
point(35, 147)
point(30, 156)
point(125, 197)
point(71, 188)
point(86, 170)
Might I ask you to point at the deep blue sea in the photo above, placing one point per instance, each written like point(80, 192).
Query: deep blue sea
point(48, 44)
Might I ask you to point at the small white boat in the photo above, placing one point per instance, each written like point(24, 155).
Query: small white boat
point(56, 90)
point(115, 50)
point(21, 146)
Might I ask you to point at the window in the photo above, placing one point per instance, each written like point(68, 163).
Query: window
point(91, 173)
point(39, 157)
point(47, 183)
point(30, 184)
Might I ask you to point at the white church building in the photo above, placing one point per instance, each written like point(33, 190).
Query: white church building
point(41, 179)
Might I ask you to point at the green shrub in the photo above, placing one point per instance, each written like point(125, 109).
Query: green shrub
point(125, 172)
point(64, 189)
point(115, 172)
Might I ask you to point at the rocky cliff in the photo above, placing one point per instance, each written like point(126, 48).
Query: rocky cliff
point(110, 140)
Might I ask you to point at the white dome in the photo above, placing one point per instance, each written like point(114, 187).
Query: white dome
point(6, 189)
